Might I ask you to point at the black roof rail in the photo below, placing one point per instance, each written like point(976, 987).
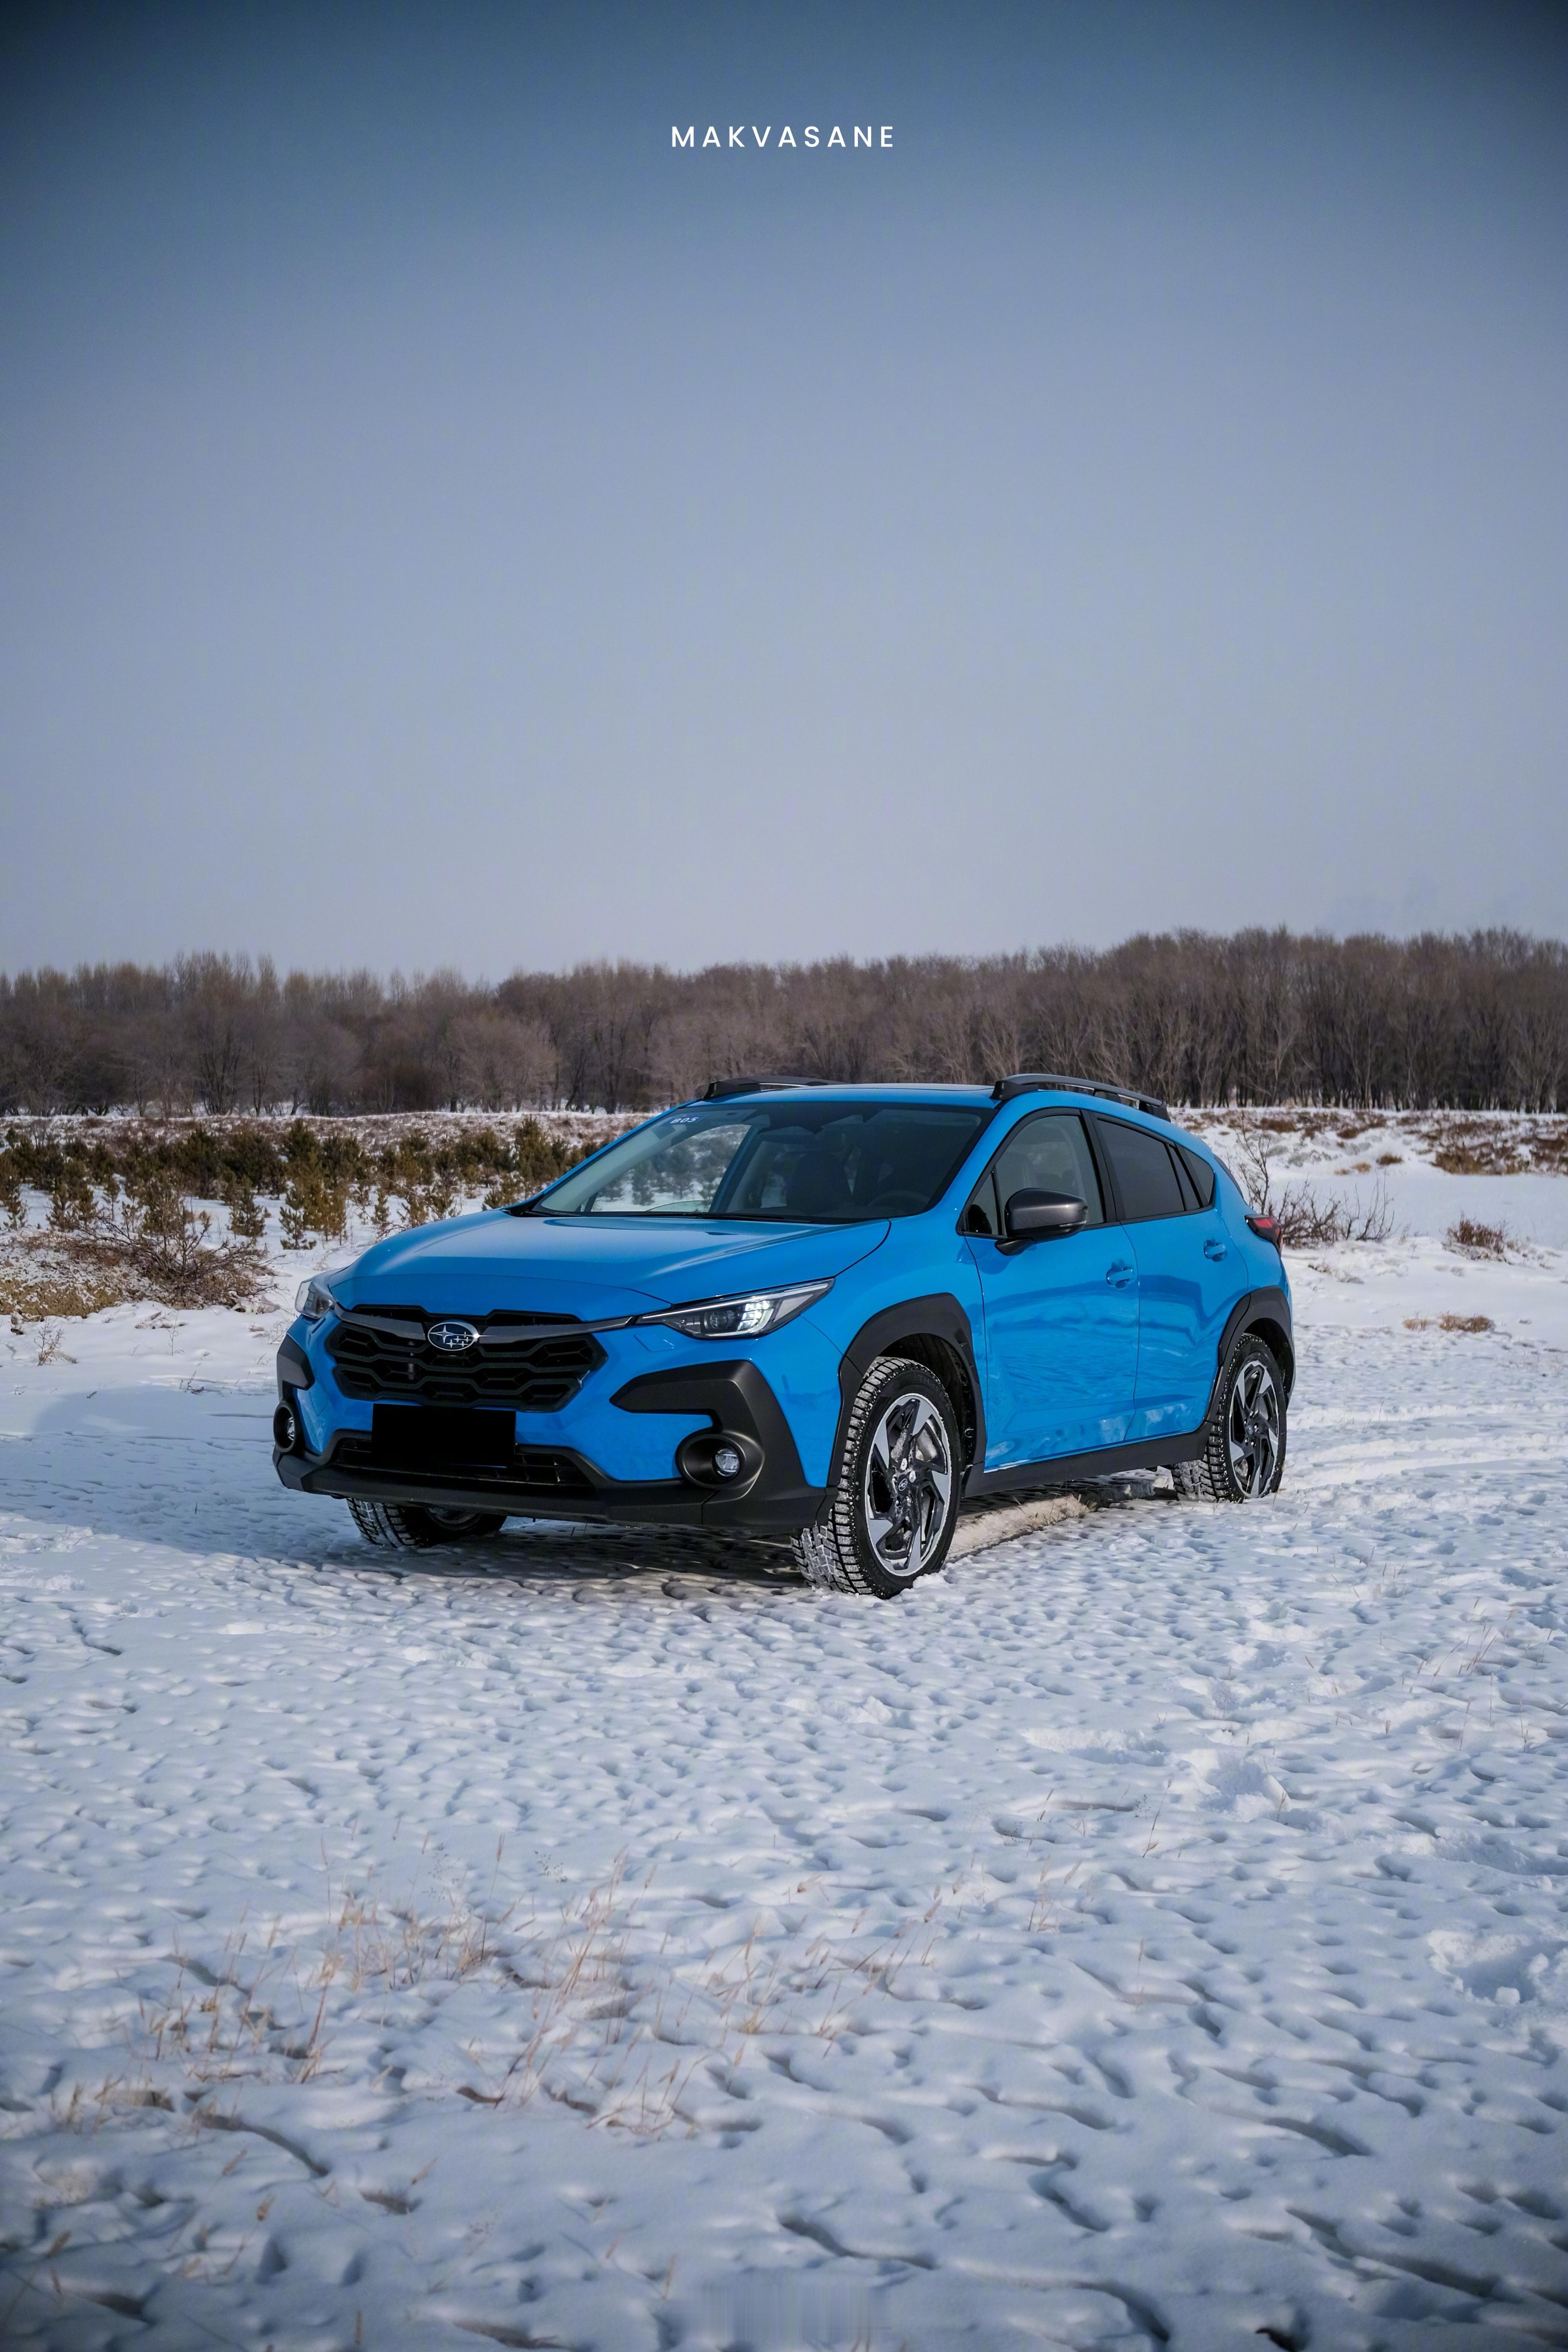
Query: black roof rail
point(1030, 1082)
point(721, 1089)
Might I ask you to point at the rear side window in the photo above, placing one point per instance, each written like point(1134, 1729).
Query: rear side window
point(1145, 1177)
point(1199, 1174)
point(1047, 1153)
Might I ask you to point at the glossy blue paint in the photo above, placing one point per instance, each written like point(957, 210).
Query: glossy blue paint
point(1061, 1344)
point(1189, 1277)
point(617, 1266)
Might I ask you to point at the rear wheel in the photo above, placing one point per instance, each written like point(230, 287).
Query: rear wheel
point(414, 1527)
point(1244, 1442)
point(895, 1504)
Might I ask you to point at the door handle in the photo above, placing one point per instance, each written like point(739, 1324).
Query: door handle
point(1215, 1249)
point(1118, 1273)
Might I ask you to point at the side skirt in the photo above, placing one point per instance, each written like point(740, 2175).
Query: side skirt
point(1072, 1469)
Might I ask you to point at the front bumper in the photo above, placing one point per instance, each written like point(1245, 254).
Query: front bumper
point(557, 1481)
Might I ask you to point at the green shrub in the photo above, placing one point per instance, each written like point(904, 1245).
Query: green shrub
point(247, 1217)
point(73, 1204)
point(426, 1204)
point(37, 1160)
point(252, 1159)
point(12, 1206)
point(537, 1159)
point(315, 1207)
point(317, 1172)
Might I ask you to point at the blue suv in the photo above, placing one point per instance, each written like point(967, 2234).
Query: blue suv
point(827, 1313)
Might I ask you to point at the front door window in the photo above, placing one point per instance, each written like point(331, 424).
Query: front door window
point(1049, 1153)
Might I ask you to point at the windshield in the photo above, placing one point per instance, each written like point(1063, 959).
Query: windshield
point(821, 1163)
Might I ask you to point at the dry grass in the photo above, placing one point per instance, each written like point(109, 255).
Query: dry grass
point(98, 1253)
point(590, 2008)
point(1474, 1240)
point(1449, 1323)
point(1463, 1159)
point(31, 1292)
point(1471, 1147)
point(52, 1344)
point(1461, 1143)
point(269, 2012)
point(1464, 1145)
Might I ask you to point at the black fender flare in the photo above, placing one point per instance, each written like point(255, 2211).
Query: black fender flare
point(941, 1323)
point(1266, 1312)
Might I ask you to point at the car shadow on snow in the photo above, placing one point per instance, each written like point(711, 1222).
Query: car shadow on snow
point(576, 1552)
point(559, 1553)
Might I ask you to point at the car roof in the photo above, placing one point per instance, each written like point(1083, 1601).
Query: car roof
point(912, 1092)
point(794, 1088)
point(880, 1091)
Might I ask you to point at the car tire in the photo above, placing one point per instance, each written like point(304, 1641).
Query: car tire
point(894, 1509)
point(1244, 1438)
point(411, 1527)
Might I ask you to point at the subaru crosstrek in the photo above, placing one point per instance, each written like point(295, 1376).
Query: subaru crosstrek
point(828, 1313)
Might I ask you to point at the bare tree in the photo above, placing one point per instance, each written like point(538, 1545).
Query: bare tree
point(1468, 1021)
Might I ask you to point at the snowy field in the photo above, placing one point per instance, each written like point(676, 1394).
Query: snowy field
point(1154, 1931)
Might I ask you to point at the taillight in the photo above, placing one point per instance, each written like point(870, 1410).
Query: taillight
point(1267, 1229)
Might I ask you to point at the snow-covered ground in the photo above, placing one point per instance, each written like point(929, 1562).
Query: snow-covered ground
point(1152, 1931)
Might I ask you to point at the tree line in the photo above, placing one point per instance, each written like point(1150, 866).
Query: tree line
point(1469, 1022)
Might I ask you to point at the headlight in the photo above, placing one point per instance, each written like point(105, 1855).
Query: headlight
point(746, 1316)
point(313, 1300)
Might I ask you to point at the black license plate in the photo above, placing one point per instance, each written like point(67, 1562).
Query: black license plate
point(440, 1438)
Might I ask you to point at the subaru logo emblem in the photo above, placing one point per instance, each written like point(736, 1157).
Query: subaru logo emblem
point(452, 1337)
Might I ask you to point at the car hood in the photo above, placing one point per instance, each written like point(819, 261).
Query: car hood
point(593, 1268)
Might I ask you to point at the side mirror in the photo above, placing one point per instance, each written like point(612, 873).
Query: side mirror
point(1044, 1216)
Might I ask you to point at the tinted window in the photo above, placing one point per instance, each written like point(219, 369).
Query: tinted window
point(829, 1161)
point(1048, 1153)
point(1200, 1175)
point(1144, 1176)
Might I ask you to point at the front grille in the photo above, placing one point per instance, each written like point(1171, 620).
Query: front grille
point(533, 1468)
point(382, 1355)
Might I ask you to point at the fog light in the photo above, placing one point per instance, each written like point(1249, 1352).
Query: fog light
point(727, 1462)
point(285, 1429)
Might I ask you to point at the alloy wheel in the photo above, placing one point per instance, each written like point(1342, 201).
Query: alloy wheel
point(1252, 1429)
point(907, 1485)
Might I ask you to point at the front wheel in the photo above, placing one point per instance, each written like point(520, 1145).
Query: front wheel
point(414, 1527)
point(895, 1504)
point(1244, 1441)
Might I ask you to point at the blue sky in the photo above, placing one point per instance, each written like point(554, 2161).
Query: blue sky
point(444, 524)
